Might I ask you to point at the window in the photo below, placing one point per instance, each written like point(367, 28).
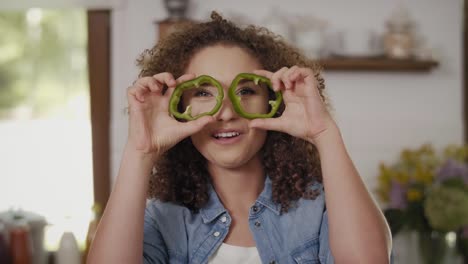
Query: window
point(45, 126)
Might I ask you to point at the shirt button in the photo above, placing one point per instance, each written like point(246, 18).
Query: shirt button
point(223, 219)
point(257, 224)
point(255, 208)
point(216, 234)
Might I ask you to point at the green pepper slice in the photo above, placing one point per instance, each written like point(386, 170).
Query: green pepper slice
point(177, 94)
point(236, 100)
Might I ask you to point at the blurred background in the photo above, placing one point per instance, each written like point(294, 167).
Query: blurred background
point(394, 71)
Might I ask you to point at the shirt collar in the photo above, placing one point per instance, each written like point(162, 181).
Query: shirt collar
point(266, 197)
point(215, 208)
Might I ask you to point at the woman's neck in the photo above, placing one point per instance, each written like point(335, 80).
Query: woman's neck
point(238, 188)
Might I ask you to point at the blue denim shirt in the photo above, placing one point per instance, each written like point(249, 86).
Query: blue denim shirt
point(173, 234)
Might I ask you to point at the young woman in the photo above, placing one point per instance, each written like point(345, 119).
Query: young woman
point(229, 189)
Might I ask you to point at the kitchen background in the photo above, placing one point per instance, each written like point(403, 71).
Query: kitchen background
point(380, 113)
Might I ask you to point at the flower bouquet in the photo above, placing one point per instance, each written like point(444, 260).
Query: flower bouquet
point(427, 192)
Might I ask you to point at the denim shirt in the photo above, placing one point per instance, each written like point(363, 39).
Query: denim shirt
point(173, 234)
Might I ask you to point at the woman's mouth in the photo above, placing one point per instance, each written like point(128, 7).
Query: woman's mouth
point(227, 137)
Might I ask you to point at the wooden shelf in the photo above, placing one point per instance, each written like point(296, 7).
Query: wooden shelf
point(380, 64)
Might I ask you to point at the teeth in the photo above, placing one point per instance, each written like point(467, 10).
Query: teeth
point(226, 135)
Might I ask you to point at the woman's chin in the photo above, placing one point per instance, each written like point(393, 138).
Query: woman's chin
point(227, 164)
point(229, 161)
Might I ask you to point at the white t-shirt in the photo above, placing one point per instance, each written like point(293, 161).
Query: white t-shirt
point(229, 254)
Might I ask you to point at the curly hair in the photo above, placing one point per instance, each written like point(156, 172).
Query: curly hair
point(180, 175)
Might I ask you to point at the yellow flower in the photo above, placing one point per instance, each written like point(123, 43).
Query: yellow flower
point(423, 175)
point(384, 182)
point(413, 195)
point(402, 177)
point(456, 152)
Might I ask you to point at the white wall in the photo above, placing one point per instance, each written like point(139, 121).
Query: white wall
point(378, 113)
point(89, 4)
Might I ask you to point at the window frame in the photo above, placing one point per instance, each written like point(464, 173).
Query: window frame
point(99, 38)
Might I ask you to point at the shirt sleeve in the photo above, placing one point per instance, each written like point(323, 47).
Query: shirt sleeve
point(154, 248)
point(325, 254)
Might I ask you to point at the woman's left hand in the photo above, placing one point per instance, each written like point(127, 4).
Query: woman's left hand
point(305, 115)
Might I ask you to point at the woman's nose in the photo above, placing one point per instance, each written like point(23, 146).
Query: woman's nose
point(226, 112)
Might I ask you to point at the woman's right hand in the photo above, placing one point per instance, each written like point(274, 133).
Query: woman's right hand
point(152, 130)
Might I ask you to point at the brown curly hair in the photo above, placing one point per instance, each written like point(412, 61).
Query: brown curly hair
point(180, 175)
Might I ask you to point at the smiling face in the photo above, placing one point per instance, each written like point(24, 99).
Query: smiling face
point(228, 142)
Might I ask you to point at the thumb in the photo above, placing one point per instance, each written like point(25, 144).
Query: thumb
point(194, 126)
point(267, 124)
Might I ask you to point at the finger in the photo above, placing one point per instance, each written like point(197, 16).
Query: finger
point(276, 79)
point(267, 74)
point(165, 78)
point(264, 73)
point(194, 126)
point(149, 82)
point(181, 79)
point(132, 92)
point(267, 124)
point(308, 77)
point(142, 87)
point(286, 79)
point(301, 73)
point(186, 77)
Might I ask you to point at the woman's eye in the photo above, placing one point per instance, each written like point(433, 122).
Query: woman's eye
point(245, 91)
point(202, 93)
